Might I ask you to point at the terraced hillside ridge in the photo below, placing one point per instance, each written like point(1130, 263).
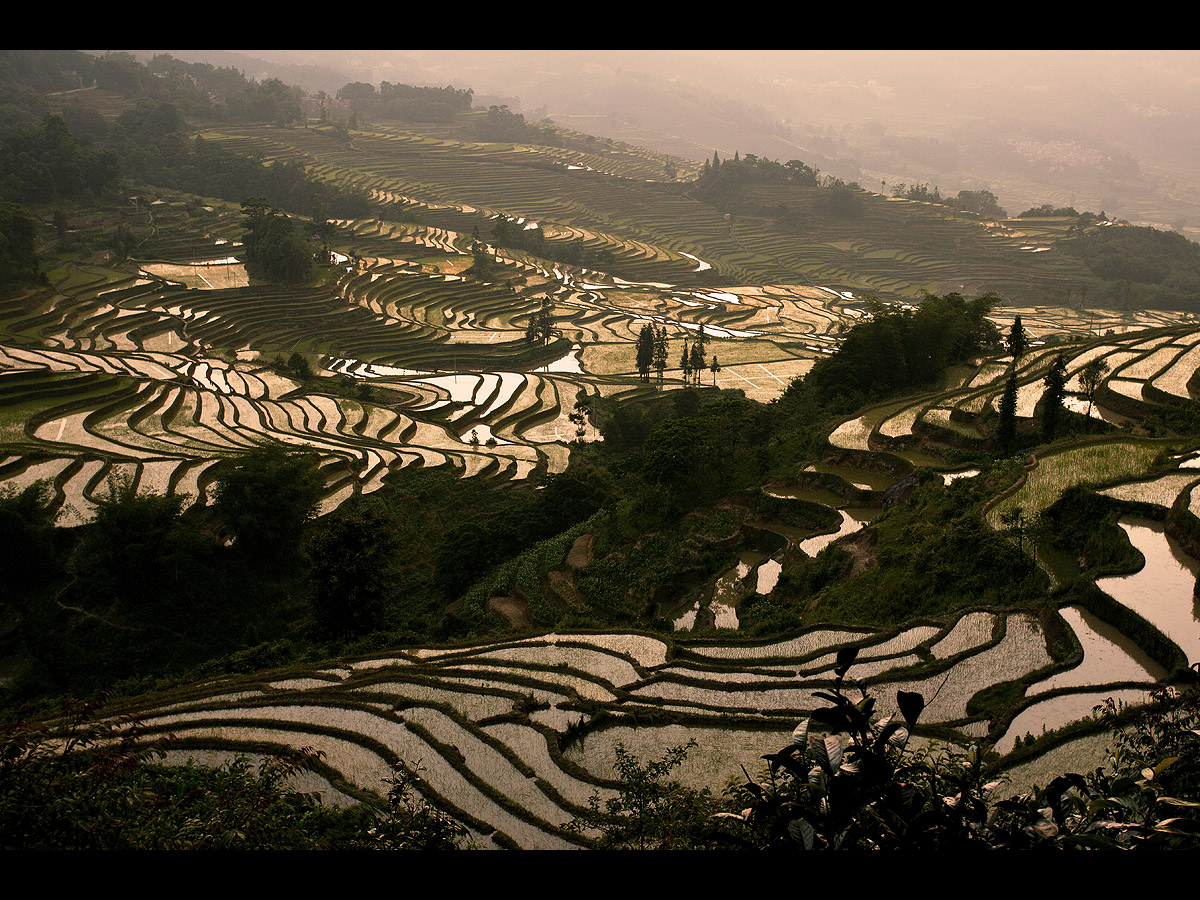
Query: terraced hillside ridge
point(615, 200)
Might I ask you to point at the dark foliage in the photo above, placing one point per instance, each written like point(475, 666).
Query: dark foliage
point(274, 249)
point(18, 262)
point(466, 551)
point(406, 102)
point(43, 163)
point(847, 781)
point(91, 784)
point(353, 556)
point(266, 498)
point(1144, 266)
point(902, 349)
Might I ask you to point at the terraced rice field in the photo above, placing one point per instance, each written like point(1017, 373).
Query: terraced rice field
point(165, 373)
point(159, 376)
point(492, 726)
point(1089, 464)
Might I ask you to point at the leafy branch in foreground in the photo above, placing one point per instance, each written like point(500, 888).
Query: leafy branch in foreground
point(648, 812)
point(410, 823)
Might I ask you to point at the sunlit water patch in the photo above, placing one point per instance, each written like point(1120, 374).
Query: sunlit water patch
point(1162, 592)
point(1055, 712)
point(852, 520)
point(948, 477)
point(1108, 656)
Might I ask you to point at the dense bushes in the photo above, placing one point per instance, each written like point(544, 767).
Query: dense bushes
point(848, 781)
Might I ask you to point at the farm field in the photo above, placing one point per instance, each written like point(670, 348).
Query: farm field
point(490, 725)
point(419, 345)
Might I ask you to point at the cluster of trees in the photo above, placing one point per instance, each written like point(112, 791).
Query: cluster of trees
point(541, 325)
point(693, 359)
point(733, 185)
point(150, 140)
point(982, 203)
point(1090, 378)
point(503, 125)
point(199, 89)
point(274, 248)
point(18, 259)
point(753, 169)
point(652, 350)
point(1048, 210)
point(467, 551)
point(47, 158)
point(406, 102)
point(212, 92)
point(695, 459)
point(517, 234)
point(1144, 256)
point(154, 588)
point(44, 162)
point(150, 586)
point(902, 349)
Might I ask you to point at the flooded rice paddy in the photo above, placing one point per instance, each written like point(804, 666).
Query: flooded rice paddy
point(1162, 592)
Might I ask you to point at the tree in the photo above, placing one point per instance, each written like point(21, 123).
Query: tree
point(541, 325)
point(660, 351)
point(714, 367)
point(685, 362)
point(353, 555)
point(266, 497)
point(1052, 400)
point(579, 418)
point(1006, 431)
point(1090, 378)
point(645, 351)
point(1017, 341)
point(697, 360)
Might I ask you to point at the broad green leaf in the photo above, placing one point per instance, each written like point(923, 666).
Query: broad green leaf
point(816, 747)
point(911, 706)
point(802, 833)
point(834, 747)
point(845, 659)
point(800, 734)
